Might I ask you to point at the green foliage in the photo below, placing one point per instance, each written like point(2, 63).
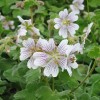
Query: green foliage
point(17, 82)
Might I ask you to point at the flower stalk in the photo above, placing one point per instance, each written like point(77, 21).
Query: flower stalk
point(92, 69)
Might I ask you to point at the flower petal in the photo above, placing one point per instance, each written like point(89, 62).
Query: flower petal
point(40, 54)
point(72, 28)
point(51, 45)
point(25, 53)
point(29, 43)
point(72, 17)
point(69, 49)
point(20, 19)
point(40, 62)
point(63, 62)
point(48, 45)
point(51, 69)
point(35, 31)
point(62, 47)
point(57, 20)
point(22, 32)
point(30, 63)
point(81, 7)
point(69, 71)
point(74, 65)
point(63, 14)
point(57, 26)
point(63, 32)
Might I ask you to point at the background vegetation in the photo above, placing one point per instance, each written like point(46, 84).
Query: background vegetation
point(17, 82)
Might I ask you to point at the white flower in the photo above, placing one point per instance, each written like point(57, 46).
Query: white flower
point(8, 24)
point(77, 5)
point(71, 59)
point(65, 23)
point(2, 18)
point(11, 24)
point(87, 30)
point(27, 51)
point(52, 57)
point(27, 26)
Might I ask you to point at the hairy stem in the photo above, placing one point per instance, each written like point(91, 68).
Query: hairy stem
point(31, 13)
point(92, 69)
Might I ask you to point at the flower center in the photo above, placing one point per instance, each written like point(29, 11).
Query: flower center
point(66, 22)
point(76, 4)
point(72, 59)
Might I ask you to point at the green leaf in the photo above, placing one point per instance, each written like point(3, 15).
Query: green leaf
point(84, 96)
point(94, 98)
point(1, 98)
point(94, 3)
point(94, 52)
point(64, 81)
point(2, 82)
point(97, 69)
point(21, 12)
point(6, 63)
point(2, 89)
point(16, 73)
point(32, 75)
point(28, 93)
point(94, 78)
point(42, 95)
point(2, 3)
point(95, 89)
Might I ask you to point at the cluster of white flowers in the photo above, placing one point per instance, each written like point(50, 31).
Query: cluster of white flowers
point(27, 26)
point(76, 6)
point(6, 24)
point(46, 53)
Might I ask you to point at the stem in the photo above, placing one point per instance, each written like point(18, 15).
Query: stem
point(53, 83)
point(31, 13)
point(88, 10)
point(92, 69)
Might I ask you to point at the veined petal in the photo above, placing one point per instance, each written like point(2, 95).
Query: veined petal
point(62, 47)
point(81, 7)
point(74, 9)
point(51, 69)
point(77, 48)
point(51, 45)
point(22, 32)
point(20, 19)
point(69, 71)
point(29, 43)
point(30, 63)
point(57, 20)
point(63, 62)
point(63, 14)
point(72, 28)
point(72, 17)
point(73, 65)
point(38, 44)
point(40, 55)
point(35, 31)
point(57, 26)
point(25, 53)
point(80, 1)
point(63, 32)
point(40, 62)
point(48, 45)
point(69, 49)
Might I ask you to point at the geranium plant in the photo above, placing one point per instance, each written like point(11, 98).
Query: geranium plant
point(49, 50)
